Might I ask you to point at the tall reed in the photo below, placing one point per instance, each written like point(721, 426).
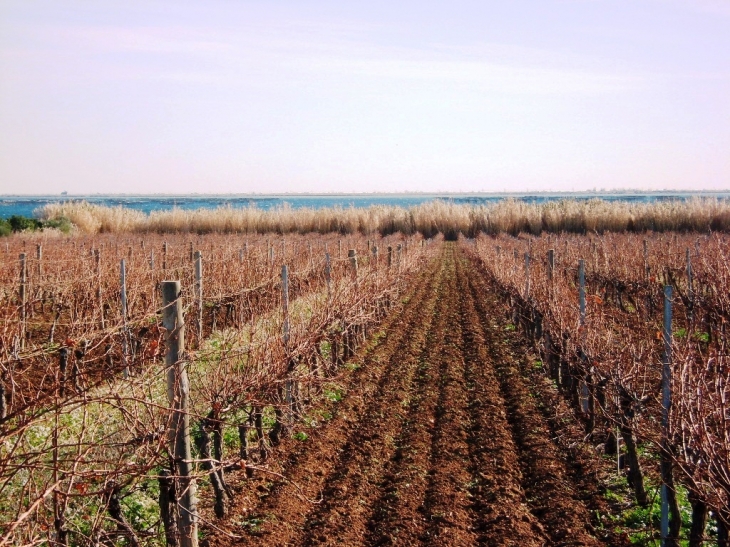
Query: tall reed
point(451, 219)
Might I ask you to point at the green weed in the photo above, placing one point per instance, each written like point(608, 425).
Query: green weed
point(333, 393)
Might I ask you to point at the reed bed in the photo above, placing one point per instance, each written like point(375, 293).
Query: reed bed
point(508, 216)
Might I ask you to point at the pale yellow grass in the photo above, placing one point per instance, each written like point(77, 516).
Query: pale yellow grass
point(509, 216)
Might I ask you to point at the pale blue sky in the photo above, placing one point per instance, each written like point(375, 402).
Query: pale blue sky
point(279, 96)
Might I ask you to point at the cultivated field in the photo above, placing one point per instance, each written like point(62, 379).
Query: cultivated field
point(375, 391)
point(436, 439)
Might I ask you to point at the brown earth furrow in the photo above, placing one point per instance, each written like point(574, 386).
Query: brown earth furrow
point(404, 452)
point(552, 496)
point(438, 441)
point(586, 467)
point(501, 514)
point(424, 494)
point(274, 512)
point(449, 500)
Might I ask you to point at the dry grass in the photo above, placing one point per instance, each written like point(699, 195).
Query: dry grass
point(508, 216)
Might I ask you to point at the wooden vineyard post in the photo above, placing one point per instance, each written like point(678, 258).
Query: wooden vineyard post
point(23, 297)
point(199, 294)
point(125, 334)
point(178, 389)
point(62, 371)
point(152, 260)
point(328, 275)
point(690, 293)
point(164, 256)
point(553, 357)
point(285, 301)
point(390, 256)
point(594, 254)
point(584, 392)
point(582, 291)
point(352, 255)
point(647, 278)
point(99, 295)
point(399, 252)
point(39, 257)
point(669, 535)
point(3, 399)
point(551, 263)
point(59, 520)
point(285, 337)
point(666, 399)
point(375, 255)
point(192, 253)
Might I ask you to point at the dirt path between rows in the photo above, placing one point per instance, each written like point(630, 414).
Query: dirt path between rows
point(438, 440)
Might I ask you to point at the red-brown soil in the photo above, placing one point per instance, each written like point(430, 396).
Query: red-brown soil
point(439, 439)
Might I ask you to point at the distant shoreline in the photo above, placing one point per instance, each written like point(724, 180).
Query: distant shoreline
point(32, 205)
point(541, 193)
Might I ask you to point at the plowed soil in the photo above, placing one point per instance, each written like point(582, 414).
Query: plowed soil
point(443, 437)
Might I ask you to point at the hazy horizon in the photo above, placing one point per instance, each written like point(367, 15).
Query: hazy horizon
point(591, 192)
point(326, 97)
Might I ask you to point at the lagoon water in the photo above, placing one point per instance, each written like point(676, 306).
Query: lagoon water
point(26, 205)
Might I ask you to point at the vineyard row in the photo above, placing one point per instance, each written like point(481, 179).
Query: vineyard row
point(596, 309)
point(90, 413)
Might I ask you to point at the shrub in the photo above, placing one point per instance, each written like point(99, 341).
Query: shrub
point(5, 228)
point(20, 223)
point(61, 223)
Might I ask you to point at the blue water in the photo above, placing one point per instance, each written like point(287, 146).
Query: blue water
point(26, 205)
